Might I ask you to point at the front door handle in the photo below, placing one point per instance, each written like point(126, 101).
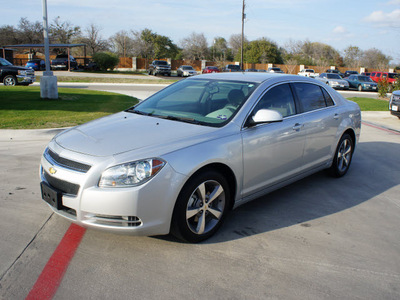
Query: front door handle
point(297, 127)
point(336, 116)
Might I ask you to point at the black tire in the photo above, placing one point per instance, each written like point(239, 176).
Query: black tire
point(10, 80)
point(343, 155)
point(197, 217)
point(360, 88)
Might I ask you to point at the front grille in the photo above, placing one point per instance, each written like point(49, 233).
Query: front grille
point(120, 221)
point(63, 186)
point(66, 163)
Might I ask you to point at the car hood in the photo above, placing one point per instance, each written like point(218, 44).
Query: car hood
point(125, 132)
point(15, 68)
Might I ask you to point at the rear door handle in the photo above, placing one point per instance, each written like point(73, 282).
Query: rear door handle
point(297, 126)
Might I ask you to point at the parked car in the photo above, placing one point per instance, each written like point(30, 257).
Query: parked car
point(36, 64)
point(183, 71)
point(251, 70)
point(334, 80)
point(275, 70)
point(308, 73)
point(362, 83)
point(181, 159)
point(13, 75)
point(335, 72)
point(348, 73)
point(232, 68)
point(394, 104)
point(390, 77)
point(210, 69)
point(61, 62)
point(366, 73)
point(159, 67)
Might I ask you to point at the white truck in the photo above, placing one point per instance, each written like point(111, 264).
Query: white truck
point(308, 73)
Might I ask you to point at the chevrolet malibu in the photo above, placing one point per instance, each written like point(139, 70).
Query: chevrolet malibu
point(180, 160)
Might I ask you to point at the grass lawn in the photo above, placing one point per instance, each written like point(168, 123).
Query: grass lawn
point(22, 108)
point(111, 80)
point(370, 104)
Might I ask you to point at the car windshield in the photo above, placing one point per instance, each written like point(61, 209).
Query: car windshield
point(333, 76)
point(309, 71)
point(198, 101)
point(393, 75)
point(4, 62)
point(161, 63)
point(364, 79)
point(187, 68)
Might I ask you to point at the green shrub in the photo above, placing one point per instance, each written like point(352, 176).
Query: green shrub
point(396, 85)
point(383, 88)
point(105, 60)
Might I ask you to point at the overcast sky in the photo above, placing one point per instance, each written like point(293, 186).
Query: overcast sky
point(341, 23)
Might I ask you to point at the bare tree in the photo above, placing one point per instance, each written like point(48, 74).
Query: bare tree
point(63, 32)
point(352, 56)
point(123, 43)
point(374, 58)
point(235, 42)
point(94, 40)
point(195, 46)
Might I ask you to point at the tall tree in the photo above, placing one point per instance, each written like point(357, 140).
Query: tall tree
point(123, 43)
point(63, 32)
point(261, 51)
point(352, 56)
point(374, 58)
point(195, 46)
point(93, 40)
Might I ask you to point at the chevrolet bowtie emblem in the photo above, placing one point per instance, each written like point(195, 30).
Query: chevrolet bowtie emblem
point(52, 171)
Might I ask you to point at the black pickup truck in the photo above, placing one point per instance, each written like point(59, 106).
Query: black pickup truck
point(13, 75)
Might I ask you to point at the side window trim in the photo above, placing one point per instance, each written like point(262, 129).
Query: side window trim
point(252, 110)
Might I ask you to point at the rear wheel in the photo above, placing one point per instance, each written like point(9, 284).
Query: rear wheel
point(201, 207)
point(343, 155)
point(10, 80)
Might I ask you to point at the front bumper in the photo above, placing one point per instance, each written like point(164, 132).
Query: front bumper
point(394, 107)
point(26, 79)
point(339, 86)
point(141, 210)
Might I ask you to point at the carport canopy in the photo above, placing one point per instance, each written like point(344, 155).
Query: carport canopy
point(32, 46)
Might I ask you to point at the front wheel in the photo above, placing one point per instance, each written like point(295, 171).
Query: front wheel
point(10, 80)
point(343, 155)
point(201, 207)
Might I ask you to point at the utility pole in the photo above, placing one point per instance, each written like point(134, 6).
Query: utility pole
point(243, 18)
point(48, 82)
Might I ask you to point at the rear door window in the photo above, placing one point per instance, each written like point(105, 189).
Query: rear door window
point(310, 96)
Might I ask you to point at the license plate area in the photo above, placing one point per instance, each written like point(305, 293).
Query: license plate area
point(51, 195)
point(395, 108)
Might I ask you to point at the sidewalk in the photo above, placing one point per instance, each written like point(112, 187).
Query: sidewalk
point(381, 118)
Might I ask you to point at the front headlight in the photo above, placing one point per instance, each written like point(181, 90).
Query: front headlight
point(131, 174)
point(335, 82)
point(22, 72)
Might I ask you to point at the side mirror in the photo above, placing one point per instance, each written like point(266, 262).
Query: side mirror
point(265, 116)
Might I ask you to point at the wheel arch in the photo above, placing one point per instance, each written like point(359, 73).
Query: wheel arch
point(224, 170)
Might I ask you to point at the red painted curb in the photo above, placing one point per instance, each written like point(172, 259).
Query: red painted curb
point(49, 280)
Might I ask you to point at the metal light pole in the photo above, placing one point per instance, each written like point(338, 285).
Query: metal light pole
point(48, 82)
point(243, 17)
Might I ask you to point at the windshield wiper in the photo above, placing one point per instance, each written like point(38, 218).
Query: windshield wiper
point(181, 119)
point(139, 112)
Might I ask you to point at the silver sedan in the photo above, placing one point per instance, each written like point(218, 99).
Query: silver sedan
point(180, 160)
point(334, 80)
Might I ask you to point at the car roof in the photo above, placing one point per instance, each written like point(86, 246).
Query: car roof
point(257, 77)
